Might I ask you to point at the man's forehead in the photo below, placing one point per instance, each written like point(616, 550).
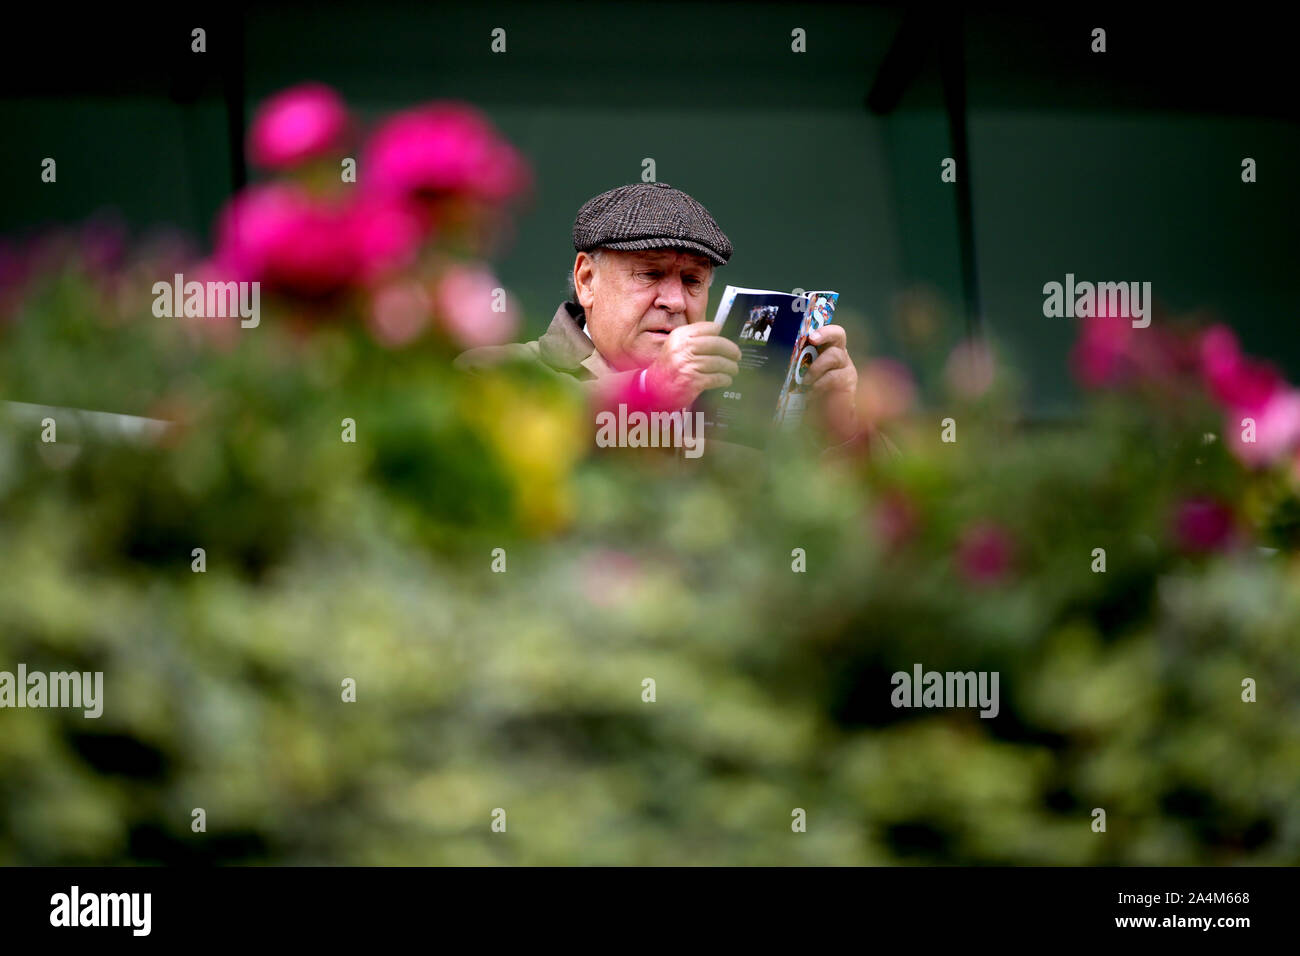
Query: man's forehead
point(666, 255)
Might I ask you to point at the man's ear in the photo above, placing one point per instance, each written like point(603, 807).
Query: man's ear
point(584, 274)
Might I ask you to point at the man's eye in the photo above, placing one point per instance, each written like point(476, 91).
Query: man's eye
point(693, 280)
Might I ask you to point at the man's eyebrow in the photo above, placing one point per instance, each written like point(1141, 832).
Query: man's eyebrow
point(659, 258)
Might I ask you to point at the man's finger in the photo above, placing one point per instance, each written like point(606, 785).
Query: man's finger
point(830, 359)
point(715, 364)
point(716, 381)
point(829, 335)
point(715, 345)
point(699, 328)
point(833, 380)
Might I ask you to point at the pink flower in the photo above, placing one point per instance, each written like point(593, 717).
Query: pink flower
point(1111, 353)
point(970, 369)
point(628, 390)
point(1102, 354)
point(896, 519)
point(298, 124)
point(465, 301)
point(1202, 525)
point(1262, 413)
point(1275, 428)
point(103, 244)
point(1235, 380)
point(293, 242)
point(984, 553)
point(885, 391)
point(15, 267)
point(399, 313)
point(443, 147)
point(386, 233)
point(219, 332)
point(279, 235)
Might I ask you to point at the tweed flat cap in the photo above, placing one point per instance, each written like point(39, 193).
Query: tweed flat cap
point(649, 216)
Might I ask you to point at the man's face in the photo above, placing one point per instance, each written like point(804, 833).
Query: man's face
point(634, 299)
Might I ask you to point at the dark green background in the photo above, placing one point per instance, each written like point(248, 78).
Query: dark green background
point(1118, 166)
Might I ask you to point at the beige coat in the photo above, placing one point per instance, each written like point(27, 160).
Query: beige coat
point(565, 349)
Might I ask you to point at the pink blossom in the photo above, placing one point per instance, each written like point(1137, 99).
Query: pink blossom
point(443, 147)
point(279, 235)
point(1111, 353)
point(970, 369)
point(465, 298)
point(1276, 428)
point(1255, 396)
point(15, 267)
point(628, 390)
point(399, 313)
point(1168, 355)
point(896, 519)
point(1102, 353)
point(220, 332)
point(294, 242)
point(886, 391)
point(298, 124)
point(1235, 380)
point(1202, 525)
point(984, 553)
point(386, 233)
point(103, 244)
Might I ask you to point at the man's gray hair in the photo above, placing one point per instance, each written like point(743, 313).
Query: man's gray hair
point(595, 257)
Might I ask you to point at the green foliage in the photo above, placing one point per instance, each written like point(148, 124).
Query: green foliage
point(522, 690)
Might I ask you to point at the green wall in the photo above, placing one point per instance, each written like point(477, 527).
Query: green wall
point(812, 189)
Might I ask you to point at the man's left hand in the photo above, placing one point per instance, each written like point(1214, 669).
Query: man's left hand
point(834, 381)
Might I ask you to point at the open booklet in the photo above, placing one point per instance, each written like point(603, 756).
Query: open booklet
point(771, 329)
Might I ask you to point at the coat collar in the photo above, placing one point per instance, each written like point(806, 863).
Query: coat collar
point(565, 347)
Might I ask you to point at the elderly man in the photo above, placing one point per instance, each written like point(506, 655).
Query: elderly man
point(639, 293)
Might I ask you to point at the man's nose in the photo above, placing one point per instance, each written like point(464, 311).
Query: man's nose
point(671, 295)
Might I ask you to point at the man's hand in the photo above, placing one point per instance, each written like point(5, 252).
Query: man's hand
point(834, 381)
point(694, 357)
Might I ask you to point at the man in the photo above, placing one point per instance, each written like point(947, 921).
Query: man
point(636, 318)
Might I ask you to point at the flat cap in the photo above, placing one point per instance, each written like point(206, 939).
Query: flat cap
point(649, 216)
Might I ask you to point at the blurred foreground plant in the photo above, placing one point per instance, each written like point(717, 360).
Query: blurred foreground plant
point(1123, 575)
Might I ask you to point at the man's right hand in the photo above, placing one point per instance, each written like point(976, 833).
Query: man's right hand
point(694, 357)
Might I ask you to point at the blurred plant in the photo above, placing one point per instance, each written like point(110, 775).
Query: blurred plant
point(1123, 574)
point(305, 122)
